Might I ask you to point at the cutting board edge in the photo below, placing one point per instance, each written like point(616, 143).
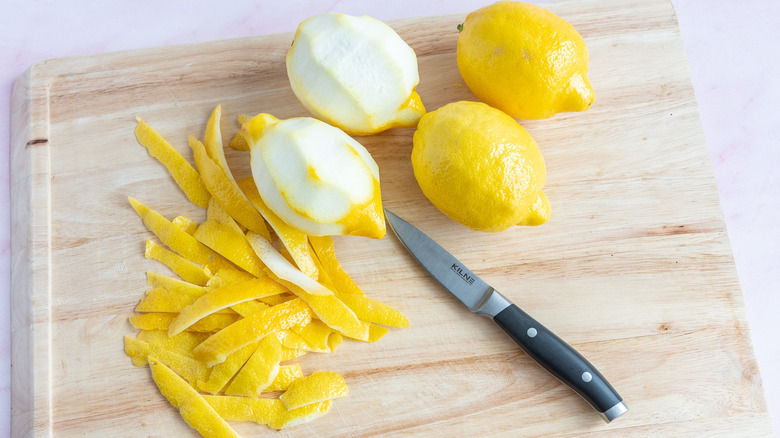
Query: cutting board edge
point(30, 255)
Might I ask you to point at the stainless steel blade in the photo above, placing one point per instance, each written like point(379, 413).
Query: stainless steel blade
point(446, 269)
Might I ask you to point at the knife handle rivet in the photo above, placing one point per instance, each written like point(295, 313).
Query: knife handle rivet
point(586, 377)
point(531, 332)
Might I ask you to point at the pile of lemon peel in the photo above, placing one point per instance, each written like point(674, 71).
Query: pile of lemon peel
point(254, 293)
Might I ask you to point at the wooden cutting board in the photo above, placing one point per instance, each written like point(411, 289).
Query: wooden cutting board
point(634, 269)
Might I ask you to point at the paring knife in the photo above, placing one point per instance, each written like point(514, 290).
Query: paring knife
point(547, 349)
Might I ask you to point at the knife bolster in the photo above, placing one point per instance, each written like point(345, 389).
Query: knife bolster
point(492, 305)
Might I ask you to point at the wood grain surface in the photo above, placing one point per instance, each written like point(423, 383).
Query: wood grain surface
point(634, 269)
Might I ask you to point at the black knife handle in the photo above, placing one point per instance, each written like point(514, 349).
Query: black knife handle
point(562, 361)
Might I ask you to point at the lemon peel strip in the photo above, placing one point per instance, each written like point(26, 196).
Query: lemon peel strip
point(161, 321)
point(222, 298)
point(165, 301)
point(277, 299)
point(374, 311)
point(233, 246)
point(185, 224)
point(293, 340)
point(291, 353)
point(189, 368)
point(326, 254)
point(286, 375)
point(187, 270)
point(282, 268)
point(223, 372)
point(186, 177)
point(316, 387)
point(174, 237)
point(249, 308)
point(193, 408)
point(216, 348)
point(213, 141)
point(182, 344)
point(155, 280)
point(315, 333)
point(239, 142)
point(331, 311)
point(259, 410)
point(216, 213)
point(259, 371)
point(228, 276)
point(227, 193)
point(302, 415)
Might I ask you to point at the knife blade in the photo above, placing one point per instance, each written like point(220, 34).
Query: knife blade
point(547, 349)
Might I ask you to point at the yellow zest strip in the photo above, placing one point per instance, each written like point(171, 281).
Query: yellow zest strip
point(181, 287)
point(259, 371)
point(163, 300)
point(316, 334)
point(192, 407)
point(161, 321)
point(215, 213)
point(223, 298)
point(185, 224)
point(259, 410)
point(291, 353)
point(286, 375)
point(326, 254)
point(229, 196)
point(216, 348)
point(249, 308)
point(187, 367)
point(331, 311)
point(213, 141)
point(374, 311)
point(296, 242)
point(302, 415)
point(293, 340)
point(223, 372)
point(239, 142)
point(282, 268)
point(183, 343)
point(230, 245)
point(375, 333)
point(316, 387)
point(156, 280)
point(182, 172)
point(228, 276)
point(277, 299)
point(174, 238)
point(335, 339)
point(184, 268)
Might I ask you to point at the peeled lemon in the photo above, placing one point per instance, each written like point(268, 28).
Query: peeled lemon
point(481, 168)
point(355, 73)
point(315, 177)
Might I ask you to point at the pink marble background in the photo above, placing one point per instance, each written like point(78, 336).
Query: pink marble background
point(731, 51)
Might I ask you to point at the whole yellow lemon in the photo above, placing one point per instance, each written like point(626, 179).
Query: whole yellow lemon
point(480, 167)
point(524, 60)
